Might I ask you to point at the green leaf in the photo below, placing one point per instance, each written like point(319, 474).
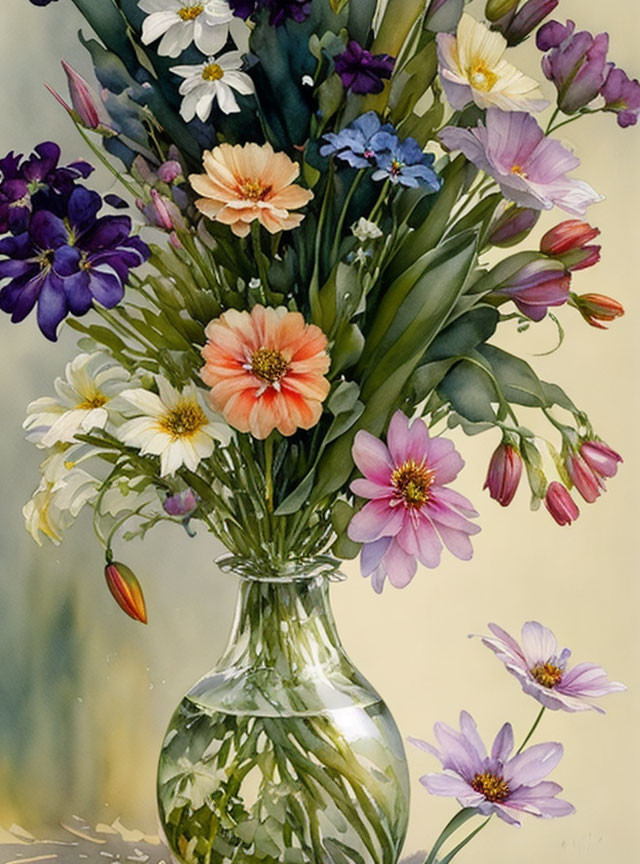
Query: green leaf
point(464, 333)
point(470, 391)
point(412, 82)
point(330, 97)
point(556, 396)
point(341, 515)
point(517, 380)
point(361, 14)
point(427, 377)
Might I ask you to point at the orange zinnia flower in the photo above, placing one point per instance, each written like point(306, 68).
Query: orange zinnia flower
point(249, 182)
point(266, 369)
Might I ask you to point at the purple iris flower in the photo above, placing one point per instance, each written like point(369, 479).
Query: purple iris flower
point(622, 95)
point(279, 10)
point(407, 164)
point(361, 143)
point(63, 265)
point(576, 63)
point(361, 71)
point(42, 2)
point(36, 183)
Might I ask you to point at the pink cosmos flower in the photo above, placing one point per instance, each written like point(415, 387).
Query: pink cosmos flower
point(529, 168)
point(541, 669)
point(411, 512)
point(494, 783)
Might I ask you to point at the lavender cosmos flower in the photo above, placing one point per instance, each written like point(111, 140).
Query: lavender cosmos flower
point(537, 286)
point(570, 242)
point(361, 143)
point(411, 512)
point(542, 670)
point(361, 71)
point(529, 168)
point(560, 504)
point(503, 477)
point(279, 10)
point(498, 782)
point(63, 265)
point(576, 63)
point(622, 96)
point(406, 164)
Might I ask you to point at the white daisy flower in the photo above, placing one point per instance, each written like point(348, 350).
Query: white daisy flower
point(84, 401)
point(181, 22)
point(364, 230)
point(215, 79)
point(63, 492)
point(172, 425)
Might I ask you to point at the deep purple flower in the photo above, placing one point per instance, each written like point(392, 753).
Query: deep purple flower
point(15, 209)
point(541, 669)
point(406, 164)
point(503, 476)
point(411, 512)
point(279, 10)
point(576, 63)
point(622, 95)
point(516, 26)
point(361, 71)
point(537, 286)
point(530, 168)
point(42, 2)
point(63, 265)
point(362, 143)
point(497, 783)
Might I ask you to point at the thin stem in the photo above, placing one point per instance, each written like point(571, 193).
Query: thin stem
point(532, 730)
point(98, 153)
point(343, 214)
point(553, 117)
point(379, 202)
point(456, 822)
point(268, 472)
point(464, 842)
point(257, 251)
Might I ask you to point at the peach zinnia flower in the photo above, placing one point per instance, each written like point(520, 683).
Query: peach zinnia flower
point(249, 182)
point(266, 369)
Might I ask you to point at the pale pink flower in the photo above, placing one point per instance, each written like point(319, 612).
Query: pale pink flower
point(411, 513)
point(541, 669)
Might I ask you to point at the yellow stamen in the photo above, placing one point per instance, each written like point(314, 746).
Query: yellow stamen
point(190, 13)
point(413, 482)
point(548, 675)
point(493, 788)
point(184, 420)
point(519, 171)
point(95, 401)
point(481, 77)
point(212, 72)
point(269, 365)
point(254, 190)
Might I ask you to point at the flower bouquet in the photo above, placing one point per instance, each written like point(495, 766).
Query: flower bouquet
point(308, 296)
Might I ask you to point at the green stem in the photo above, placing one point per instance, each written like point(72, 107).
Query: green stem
point(532, 730)
point(257, 251)
point(456, 822)
point(268, 472)
point(343, 214)
point(464, 842)
point(550, 124)
point(100, 155)
point(383, 194)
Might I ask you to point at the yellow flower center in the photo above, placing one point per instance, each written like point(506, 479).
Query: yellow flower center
point(184, 420)
point(190, 13)
point(97, 400)
point(493, 788)
point(412, 482)
point(212, 72)
point(254, 190)
point(269, 365)
point(548, 675)
point(519, 171)
point(481, 77)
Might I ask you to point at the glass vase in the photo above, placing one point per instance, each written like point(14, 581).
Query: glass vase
point(284, 752)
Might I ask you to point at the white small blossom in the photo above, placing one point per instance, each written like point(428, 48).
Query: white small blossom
point(85, 401)
point(214, 80)
point(364, 230)
point(181, 22)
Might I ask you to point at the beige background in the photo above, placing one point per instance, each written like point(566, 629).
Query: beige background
point(85, 693)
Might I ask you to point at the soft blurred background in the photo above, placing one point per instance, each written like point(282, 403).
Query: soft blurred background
point(85, 693)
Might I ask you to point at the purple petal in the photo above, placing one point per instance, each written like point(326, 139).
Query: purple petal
point(539, 644)
point(454, 499)
point(398, 438)
point(52, 305)
point(79, 296)
point(424, 745)
point(372, 554)
point(37, 167)
point(470, 731)
point(503, 745)
point(587, 679)
point(376, 519)
point(107, 233)
point(532, 765)
point(106, 288)
point(372, 458)
point(66, 260)
point(368, 489)
point(22, 296)
point(448, 786)
point(83, 208)
point(48, 231)
point(399, 566)
point(419, 539)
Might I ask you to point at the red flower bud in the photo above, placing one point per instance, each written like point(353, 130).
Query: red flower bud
point(569, 241)
point(586, 482)
point(560, 504)
point(126, 590)
point(598, 307)
point(503, 477)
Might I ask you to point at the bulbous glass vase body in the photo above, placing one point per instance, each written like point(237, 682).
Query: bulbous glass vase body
point(284, 752)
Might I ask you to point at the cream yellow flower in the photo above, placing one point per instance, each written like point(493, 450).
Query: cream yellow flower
point(472, 69)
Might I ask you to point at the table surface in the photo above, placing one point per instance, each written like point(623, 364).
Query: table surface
point(79, 843)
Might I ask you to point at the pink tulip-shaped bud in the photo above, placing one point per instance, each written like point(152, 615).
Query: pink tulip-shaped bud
point(597, 307)
point(87, 105)
point(503, 477)
point(513, 225)
point(569, 241)
point(560, 504)
point(583, 478)
point(169, 171)
point(126, 590)
point(602, 460)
